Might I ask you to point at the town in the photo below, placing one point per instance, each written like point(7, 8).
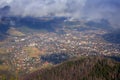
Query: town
point(25, 52)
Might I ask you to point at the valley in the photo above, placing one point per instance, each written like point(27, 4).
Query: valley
point(30, 49)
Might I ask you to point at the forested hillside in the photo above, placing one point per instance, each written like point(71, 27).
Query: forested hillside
point(88, 68)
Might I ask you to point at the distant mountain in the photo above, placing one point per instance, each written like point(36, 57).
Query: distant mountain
point(4, 11)
point(88, 68)
point(48, 24)
point(3, 25)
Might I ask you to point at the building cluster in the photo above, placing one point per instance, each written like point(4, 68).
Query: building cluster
point(72, 42)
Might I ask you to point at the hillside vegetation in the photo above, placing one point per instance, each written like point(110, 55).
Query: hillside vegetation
point(88, 68)
point(83, 68)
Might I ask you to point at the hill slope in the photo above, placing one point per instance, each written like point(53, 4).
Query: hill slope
point(88, 68)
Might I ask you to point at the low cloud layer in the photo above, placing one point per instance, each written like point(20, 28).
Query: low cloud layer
point(76, 9)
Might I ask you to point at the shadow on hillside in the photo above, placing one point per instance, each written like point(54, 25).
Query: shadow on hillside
point(112, 37)
point(55, 58)
point(116, 58)
point(3, 31)
point(102, 24)
point(47, 24)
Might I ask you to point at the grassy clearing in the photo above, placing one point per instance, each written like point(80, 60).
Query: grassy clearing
point(3, 51)
point(14, 32)
point(33, 51)
point(4, 67)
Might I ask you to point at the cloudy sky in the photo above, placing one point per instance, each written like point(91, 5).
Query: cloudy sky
point(76, 9)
